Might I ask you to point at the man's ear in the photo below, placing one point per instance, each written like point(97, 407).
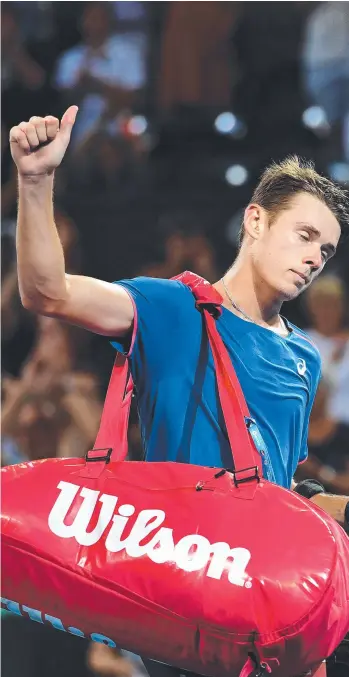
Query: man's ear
point(254, 221)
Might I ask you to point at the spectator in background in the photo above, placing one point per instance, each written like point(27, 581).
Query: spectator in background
point(17, 65)
point(326, 68)
point(103, 164)
point(18, 325)
point(104, 74)
point(197, 61)
point(24, 78)
point(53, 408)
point(186, 247)
point(328, 446)
point(326, 305)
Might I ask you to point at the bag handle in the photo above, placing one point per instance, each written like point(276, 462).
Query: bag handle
point(111, 440)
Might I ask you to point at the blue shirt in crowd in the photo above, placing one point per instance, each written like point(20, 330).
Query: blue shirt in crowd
point(173, 371)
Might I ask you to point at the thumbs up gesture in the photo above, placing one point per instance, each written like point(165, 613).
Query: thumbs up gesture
point(38, 146)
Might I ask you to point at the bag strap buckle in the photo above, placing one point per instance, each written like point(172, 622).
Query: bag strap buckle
point(104, 457)
point(242, 480)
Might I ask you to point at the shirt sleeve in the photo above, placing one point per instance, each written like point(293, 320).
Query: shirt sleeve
point(315, 375)
point(160, 308)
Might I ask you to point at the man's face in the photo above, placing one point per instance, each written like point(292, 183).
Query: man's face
point(291, 253)
point(95, 22)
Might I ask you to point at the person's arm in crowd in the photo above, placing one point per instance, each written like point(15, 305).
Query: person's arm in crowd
point(45, 288)
point(16, 392)
point(85, 414)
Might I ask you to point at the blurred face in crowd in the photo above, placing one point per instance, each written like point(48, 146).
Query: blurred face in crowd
point(326, 308)
point(95, 26)
point(290, 251)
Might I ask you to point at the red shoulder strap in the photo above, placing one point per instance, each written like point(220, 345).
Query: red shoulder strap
point(111, 441)
point(234, 406)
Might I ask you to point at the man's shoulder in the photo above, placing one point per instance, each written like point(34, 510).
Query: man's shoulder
point(159, 290)
point(160, 305)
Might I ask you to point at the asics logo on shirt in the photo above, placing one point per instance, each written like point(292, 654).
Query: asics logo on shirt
point(301, 367)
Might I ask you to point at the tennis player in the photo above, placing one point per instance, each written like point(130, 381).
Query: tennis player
point(291, 229)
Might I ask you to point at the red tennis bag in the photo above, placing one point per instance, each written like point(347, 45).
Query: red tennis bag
point(221, 573)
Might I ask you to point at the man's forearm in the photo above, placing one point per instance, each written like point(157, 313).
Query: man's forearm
point(333, 505)
point(40, 257)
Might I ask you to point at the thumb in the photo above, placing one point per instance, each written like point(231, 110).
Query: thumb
point(67, 123)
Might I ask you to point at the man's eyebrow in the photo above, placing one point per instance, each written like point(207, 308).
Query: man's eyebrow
point(316, 232)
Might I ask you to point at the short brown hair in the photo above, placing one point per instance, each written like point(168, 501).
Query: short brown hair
point(280, 182)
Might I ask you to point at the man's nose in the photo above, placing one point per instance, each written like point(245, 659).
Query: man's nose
point(314, 259)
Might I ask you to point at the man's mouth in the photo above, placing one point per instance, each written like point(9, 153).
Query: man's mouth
point(302, 276)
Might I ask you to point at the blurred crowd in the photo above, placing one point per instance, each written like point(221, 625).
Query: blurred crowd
point(181, 105)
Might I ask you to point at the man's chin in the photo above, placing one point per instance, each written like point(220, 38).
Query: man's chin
point(290, 292)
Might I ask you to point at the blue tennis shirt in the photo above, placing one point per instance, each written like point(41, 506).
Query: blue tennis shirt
point(172, 367)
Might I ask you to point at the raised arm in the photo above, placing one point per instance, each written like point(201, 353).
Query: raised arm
point(38, 148)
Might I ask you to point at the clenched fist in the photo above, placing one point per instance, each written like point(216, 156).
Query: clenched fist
point(38, 146)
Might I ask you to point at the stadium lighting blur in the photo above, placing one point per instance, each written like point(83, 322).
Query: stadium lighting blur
point(137, 125)
point(227, 123)
point(315, 118)
point(236, 175)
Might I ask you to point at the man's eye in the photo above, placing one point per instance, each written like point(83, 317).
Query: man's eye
point(304, 235)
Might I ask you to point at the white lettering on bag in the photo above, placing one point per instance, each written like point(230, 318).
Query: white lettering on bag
point(191, 553)
point(78, 528)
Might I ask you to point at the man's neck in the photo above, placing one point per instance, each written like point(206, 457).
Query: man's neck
point(258, 301)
